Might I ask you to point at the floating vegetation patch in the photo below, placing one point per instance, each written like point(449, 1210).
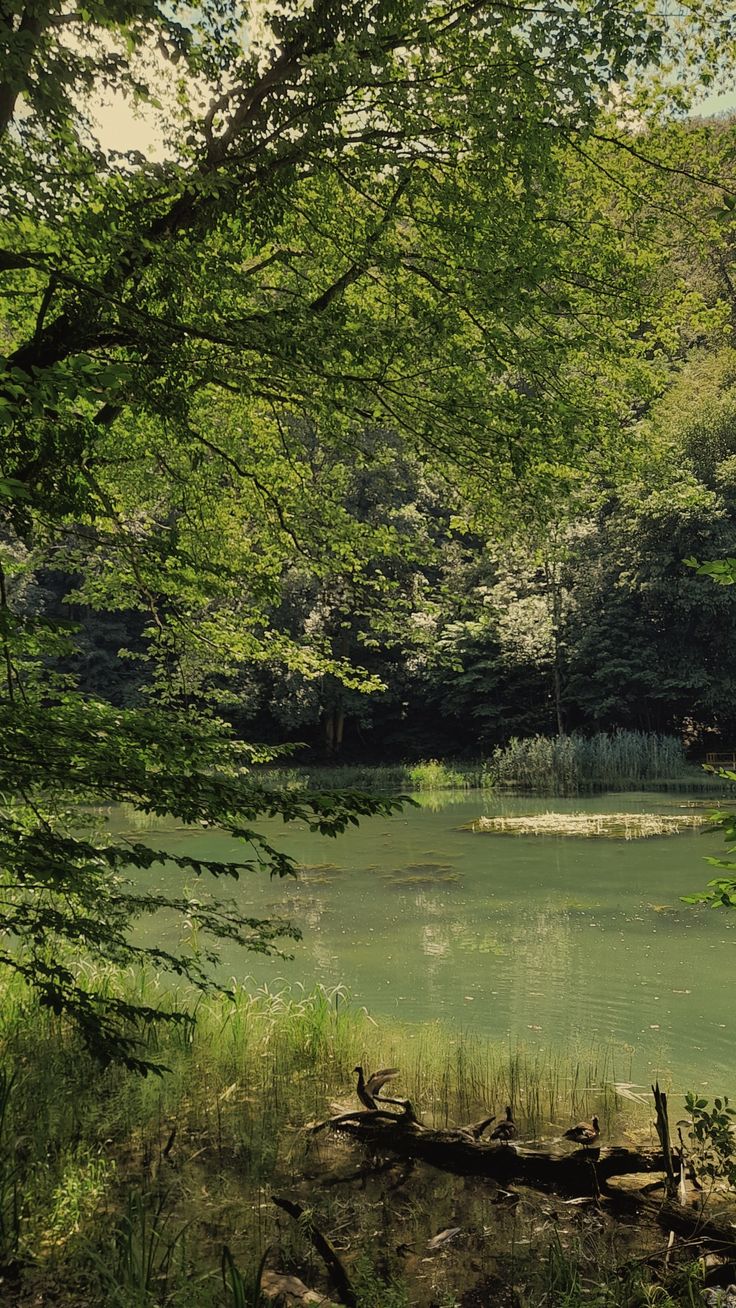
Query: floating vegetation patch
point(614, 826)
point(318, 871)
point(715, 802)
point(418, 879)
point(484, 945)
point(429, 869)
point(421, 874)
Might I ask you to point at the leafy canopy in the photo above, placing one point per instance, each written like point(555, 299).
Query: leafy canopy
point(365, 217)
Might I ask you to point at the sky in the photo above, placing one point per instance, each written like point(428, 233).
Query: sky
point(120, 129)
point(123, 126)
point(721, 103)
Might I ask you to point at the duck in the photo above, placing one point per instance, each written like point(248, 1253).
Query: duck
point(584, 1133)
point(368, 1087)
point(476, 1129)
point(506, 1130)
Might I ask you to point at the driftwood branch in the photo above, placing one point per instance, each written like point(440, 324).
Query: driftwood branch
point(339, 1277)
point(357, 1115)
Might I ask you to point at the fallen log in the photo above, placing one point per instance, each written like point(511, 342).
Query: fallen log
point(715, 1230)
point(582, 1172)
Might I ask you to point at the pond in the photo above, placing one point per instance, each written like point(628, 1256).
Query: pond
point(548, 941)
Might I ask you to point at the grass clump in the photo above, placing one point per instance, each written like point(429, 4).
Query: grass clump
point(613, 826)
point(575, 764)
point(435, 775)
point(589, 1268)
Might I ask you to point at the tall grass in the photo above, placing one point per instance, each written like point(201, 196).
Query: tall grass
point(432, 774)
point(571, 765)
point(588, 1271)
point(107, 1203)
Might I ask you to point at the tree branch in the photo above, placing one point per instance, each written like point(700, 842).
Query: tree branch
point(718, 185)
point(356, 270)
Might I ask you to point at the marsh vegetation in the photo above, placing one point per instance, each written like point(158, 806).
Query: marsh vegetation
point(574, 764)
point(126, 1191)
point(121, 1190)
point(613, 826)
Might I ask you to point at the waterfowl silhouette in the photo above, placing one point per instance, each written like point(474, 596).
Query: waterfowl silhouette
point(506, 1130)
point(585, 1133)
point(368, 1087)
point(476, 1129)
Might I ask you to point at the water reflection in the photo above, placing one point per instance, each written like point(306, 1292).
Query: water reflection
point(552, 940)
point(434, 943)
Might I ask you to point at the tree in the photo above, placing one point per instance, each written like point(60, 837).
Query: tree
point(379, 219)
point(720, 891)
point(645, 647)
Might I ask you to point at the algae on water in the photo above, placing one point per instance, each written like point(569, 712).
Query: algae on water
point(615, 826)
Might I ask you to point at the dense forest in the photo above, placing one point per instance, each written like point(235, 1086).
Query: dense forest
point(582, 615)
point(407, 598)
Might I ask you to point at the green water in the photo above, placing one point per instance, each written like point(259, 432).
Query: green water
point(549, 941)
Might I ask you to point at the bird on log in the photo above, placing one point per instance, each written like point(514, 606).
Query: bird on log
point(476, 1129)
point(369, 1087)
point(506, 1130)
point(584, 1133)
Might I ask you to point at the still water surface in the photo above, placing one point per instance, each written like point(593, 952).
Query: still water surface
point(553, 942)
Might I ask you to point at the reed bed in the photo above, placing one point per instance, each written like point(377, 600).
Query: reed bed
point(290, 1053)
point(612, 826)
point(575, 764)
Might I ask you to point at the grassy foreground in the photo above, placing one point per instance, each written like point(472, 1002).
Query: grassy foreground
point(126, 1192)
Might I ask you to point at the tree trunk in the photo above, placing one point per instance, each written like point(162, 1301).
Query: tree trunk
point(22, 47)
point(330, 731)
point(553, 589)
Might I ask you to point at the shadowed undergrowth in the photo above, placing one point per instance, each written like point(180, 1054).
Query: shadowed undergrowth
point(122, 1191)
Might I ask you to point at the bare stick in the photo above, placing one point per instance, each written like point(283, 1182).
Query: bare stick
point(338, 1275)
point(663, 1131)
